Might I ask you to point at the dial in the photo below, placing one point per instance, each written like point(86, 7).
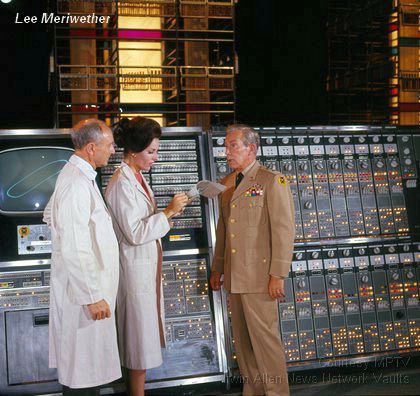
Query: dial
point(333, 281)
point(330, 253)
point(308, 205)
point(301, 283)
point(395, 276)
point(287, 167)
point(349, 164)
point(315, 255)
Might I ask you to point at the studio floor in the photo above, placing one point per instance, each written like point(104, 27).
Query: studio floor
point(393, 376)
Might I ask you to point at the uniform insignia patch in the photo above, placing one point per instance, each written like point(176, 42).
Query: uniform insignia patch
point(256, 190)
point(281, 180)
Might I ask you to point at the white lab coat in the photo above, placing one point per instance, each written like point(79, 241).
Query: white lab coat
point(84, 270)
point(138, 226)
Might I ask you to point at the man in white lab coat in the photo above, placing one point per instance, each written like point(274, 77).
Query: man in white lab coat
point(84, 268)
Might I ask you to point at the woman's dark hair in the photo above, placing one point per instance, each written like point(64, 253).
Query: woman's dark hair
point(135, 135)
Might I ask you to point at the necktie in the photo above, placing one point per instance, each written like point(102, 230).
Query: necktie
point(239, 178)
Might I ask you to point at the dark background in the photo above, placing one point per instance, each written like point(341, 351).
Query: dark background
point(282, 64)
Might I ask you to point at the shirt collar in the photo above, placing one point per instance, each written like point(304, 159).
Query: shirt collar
point(247, 169)
point(84, 166)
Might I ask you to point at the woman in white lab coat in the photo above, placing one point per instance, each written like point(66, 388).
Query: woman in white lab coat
point(139, 227)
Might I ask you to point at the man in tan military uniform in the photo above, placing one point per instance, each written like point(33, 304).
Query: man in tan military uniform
point(254, 247)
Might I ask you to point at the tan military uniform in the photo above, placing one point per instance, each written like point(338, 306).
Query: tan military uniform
point(254, 239)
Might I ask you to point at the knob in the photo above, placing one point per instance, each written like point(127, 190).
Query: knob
point(301, 283)
point(364, 279)
point(395, 276)
point(375, 139)
point(331, 140)
point(406, 248)
point(220, 141)
point(41, 238)
point(334, 165)
point(288, 167)
point(334, 281)
point(303, 166)
point(362, 251)
point(330, 253)
point(400, 315)
point(408, 161)
point(222, 168)
point(380, 164)
point(308, 205)
point(346, 139)
point(391, 249)
point(315, 255)
point(394, 163)
point(273, 166)
point(390, 139)
point(317, 140)
point(299, 256)
point(405, 139)
point(269, 140)
point(319, 165)
point(346, 252)
point(410, 275)
point(30, 248)
point(285, 140)
point(301, 140)
point(363, 164)
point(362, 139)
point(349, 164)
point(376, 250)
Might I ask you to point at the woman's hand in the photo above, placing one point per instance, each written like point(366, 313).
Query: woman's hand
point(178, 203)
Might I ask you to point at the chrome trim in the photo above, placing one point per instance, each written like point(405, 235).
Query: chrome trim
point(188, 381)
point(35, 132)
point(184, 252)
point(25, 263)
point(181, 131)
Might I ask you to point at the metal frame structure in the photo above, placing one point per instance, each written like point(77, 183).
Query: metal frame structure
point(195, 89)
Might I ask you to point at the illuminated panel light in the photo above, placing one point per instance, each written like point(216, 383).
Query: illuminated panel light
point(140, 34)
point(140, 54)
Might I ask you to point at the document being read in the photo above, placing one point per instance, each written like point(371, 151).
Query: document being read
point(207, 189)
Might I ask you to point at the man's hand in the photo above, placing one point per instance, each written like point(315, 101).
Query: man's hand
point(276, 287)
point(99, 310)
point(215, 282)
